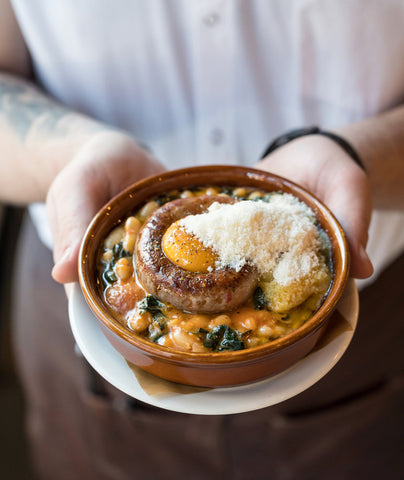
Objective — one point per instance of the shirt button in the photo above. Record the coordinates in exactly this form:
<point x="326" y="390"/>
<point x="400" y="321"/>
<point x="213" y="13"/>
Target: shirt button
<point x="211" y="20"/>
<point x="216" y="136"/>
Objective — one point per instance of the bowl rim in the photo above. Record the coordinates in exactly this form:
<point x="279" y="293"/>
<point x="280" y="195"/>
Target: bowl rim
<point x="252" y="354"/>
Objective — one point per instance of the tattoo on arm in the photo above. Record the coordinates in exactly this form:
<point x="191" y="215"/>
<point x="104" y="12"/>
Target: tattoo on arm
<point x="21" y="106"/>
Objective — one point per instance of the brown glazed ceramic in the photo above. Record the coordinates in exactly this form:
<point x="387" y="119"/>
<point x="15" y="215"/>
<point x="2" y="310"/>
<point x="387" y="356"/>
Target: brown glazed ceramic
<point x="209" y="369"/>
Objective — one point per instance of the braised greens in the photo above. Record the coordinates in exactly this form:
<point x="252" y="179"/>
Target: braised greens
<point x="118" y="252"/>
<point x="221" y="338"/>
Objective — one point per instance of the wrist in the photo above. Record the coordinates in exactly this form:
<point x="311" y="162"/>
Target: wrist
<point x="50" y="154"/>
<point x="108" y="160"/>
<point x="83" y="149"/>
<point x="295" y="134"/>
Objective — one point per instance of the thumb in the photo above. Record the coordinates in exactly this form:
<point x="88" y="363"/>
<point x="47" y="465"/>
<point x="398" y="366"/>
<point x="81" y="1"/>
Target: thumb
<point x="361" y="266"/>
<point x="102" y="169"/>
<point x="69" y="215"/>
<point x="353" y="210"/>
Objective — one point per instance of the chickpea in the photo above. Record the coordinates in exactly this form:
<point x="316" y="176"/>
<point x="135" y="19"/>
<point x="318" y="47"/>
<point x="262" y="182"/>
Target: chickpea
<point x="139" y="323"/>
<point x="147" y="210"/>
<point x="254" y="195"/>
<point x="123" y="269"/>
<point x="240" y="192"/>
<point x="211" y="191"/>
<point x="186" y="194"/>
<point x="132" y="227"/>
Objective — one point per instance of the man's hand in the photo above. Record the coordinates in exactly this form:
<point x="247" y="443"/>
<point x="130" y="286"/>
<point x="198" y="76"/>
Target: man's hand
<point x="320" y="165"/>
<point x="106" y="164"/>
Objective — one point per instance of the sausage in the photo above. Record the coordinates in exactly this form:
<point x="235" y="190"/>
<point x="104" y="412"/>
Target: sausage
<point x="221" y="290"/>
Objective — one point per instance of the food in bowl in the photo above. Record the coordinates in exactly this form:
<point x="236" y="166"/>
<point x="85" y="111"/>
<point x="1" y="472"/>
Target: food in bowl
<point x="211" y="268"/>
<point x="212" y="368"/>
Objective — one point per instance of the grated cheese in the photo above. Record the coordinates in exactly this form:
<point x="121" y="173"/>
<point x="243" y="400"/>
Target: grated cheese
<point x="279" y="237"/>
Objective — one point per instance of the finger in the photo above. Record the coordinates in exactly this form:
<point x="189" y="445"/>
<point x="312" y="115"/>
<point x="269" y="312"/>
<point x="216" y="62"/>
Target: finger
<point x="79" y="191"/>
<point x="70" y="215"/>
<point x="361" y="265"/>
<point x="342" y="187"/>
<point x="349" y="200"/>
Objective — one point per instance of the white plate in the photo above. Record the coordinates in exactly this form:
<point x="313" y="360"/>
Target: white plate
<point x="160" y="393"/>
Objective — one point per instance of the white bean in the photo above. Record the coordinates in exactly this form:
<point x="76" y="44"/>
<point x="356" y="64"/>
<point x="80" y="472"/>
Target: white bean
<point x="147" y="210"/>
<point x="132" y="227"/>
<point x="252" y="342"/>
<point x="107" y="256"/>
<point x="265" y="331"/>
<point x="183" y="340"/>
<point x="246" y="324"/>
<point x="195" y="322"/>
<point x="220" y="320"/>
<point x="114" y="237"/>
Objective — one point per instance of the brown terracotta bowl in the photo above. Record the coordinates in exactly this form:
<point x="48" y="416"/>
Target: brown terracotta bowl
<point x="209" y="369"/>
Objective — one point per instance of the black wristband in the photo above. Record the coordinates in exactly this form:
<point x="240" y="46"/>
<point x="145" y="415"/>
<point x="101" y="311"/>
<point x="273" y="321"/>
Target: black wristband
<point x="301" y="132"/>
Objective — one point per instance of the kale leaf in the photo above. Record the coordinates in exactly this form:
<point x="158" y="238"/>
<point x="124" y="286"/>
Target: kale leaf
<point x="267" y="197"/>
<point x="109" y="276"/>
<point x="259" y="299"/>
<point x="118" y="252"/>
<point x="153" y="305"/>
<point x="162" y="199"/>
<point x="221" y="338"/>
<point x="227" y="191"/>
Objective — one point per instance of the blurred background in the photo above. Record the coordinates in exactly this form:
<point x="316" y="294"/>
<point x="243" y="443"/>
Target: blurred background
<point x="14" y="457"/>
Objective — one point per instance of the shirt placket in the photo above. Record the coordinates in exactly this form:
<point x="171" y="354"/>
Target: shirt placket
<point x="212" y="43"/>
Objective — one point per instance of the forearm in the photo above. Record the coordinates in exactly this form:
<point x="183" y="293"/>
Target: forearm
<point x="380" y="143"/>
<point x="76" y="164"/>
<point x="38" y="137"/>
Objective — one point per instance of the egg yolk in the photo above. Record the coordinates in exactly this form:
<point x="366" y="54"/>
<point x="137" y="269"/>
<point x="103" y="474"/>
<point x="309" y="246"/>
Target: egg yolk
<point x="187" y="251"/>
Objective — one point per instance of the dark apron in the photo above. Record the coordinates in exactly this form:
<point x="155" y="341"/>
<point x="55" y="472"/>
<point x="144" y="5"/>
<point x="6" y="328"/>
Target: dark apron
<point x="348" y="426"/>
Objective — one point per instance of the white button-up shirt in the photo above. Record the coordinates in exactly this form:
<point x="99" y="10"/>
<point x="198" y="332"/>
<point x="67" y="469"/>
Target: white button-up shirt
<point x="213" y="81"/>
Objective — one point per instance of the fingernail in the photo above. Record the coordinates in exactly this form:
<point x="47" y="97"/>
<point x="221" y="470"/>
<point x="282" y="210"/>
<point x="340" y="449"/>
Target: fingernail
<point x="362" y="253"/>
<point x="365" y="260"/>
<point x="65" y="256"/>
